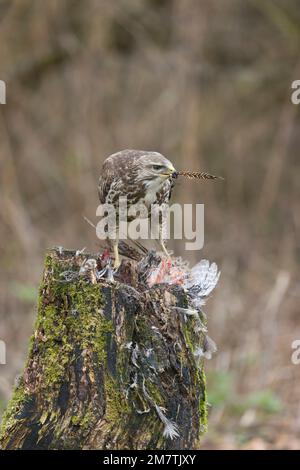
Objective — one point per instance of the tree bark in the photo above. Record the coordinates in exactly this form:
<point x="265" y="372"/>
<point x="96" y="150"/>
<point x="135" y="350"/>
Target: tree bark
<point x="110" y="365"/>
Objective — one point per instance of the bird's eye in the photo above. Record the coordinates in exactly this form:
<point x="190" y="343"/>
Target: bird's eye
<point x="157" y="167"/>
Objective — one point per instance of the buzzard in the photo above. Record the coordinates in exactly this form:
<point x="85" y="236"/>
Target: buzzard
<point x="142" y="177"/>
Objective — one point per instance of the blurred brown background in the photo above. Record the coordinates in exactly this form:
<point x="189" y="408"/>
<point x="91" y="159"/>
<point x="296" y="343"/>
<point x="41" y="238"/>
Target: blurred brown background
<point x="208" y="84"/>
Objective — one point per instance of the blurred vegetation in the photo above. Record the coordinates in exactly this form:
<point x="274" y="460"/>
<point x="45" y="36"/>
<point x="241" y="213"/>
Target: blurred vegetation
<point x="207" y="83"/>
<point x="23" y="292"/>
<point x="222" y="393"/>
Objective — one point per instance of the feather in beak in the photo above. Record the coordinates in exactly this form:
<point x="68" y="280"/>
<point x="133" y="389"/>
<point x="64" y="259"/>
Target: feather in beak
<point x="198" y="175"/>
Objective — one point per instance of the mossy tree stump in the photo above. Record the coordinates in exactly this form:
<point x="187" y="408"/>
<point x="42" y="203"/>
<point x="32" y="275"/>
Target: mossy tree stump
<point x="110" y="366"/>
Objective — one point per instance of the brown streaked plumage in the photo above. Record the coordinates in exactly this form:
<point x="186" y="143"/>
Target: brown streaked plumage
<point x="129" y="173"/>
<point x="142" y="177"/>
<point x="139" y="175"/>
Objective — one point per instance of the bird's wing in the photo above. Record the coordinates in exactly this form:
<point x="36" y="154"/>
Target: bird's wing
<point x="106" y="179"/>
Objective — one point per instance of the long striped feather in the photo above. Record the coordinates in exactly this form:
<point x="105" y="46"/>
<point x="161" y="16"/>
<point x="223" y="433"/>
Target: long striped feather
<point x="199" y="175"/>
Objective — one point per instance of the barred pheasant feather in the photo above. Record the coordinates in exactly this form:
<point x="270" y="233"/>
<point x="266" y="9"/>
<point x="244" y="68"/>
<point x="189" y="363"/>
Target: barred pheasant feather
<point x="199" y="175"/>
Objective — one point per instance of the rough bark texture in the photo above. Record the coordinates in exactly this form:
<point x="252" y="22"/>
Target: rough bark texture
<point x="110" y="366"/>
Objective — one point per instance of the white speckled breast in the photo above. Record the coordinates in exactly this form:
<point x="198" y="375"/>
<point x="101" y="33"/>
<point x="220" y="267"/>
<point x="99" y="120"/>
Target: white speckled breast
<point x="151" y="190"/>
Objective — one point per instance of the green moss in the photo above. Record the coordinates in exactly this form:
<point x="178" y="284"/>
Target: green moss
<point x="203" y="401"/>
<point x="84" y="421"/>
<point x="200" y="379"/>
<point x="75" y="318"/>
<point x="69" y="314"/>
<point x="155" y="393"/>
<point x="13" y="408"/>
<point x="188" y="329"/>
<point x="116" y="403"/>
<point x="75" y="420"/>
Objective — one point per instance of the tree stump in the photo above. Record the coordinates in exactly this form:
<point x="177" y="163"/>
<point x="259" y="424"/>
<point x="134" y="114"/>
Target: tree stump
<point x="111" y="365"/>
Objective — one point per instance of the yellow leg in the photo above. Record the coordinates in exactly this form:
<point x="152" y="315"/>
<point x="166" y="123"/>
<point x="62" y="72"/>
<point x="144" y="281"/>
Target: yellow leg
<point x="162" y="244"/>
<point x="164" y="249"/>
<point x="117" y="257"/>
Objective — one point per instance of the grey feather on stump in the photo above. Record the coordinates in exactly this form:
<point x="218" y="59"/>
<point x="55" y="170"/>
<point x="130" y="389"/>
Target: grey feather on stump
<point x="115" y="362"/>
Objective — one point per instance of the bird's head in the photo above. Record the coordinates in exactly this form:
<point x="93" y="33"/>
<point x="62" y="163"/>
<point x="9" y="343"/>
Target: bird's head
<point x="155" y="166"/>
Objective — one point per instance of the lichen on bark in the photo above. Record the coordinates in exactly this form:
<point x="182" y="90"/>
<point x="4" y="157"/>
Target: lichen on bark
<point x="110" y="366"/>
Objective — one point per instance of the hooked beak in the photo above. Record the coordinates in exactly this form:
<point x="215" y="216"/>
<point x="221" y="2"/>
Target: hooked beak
<point x="171" y="172"/>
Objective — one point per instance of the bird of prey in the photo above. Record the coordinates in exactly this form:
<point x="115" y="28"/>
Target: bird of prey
<point x="142" y="177"/>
